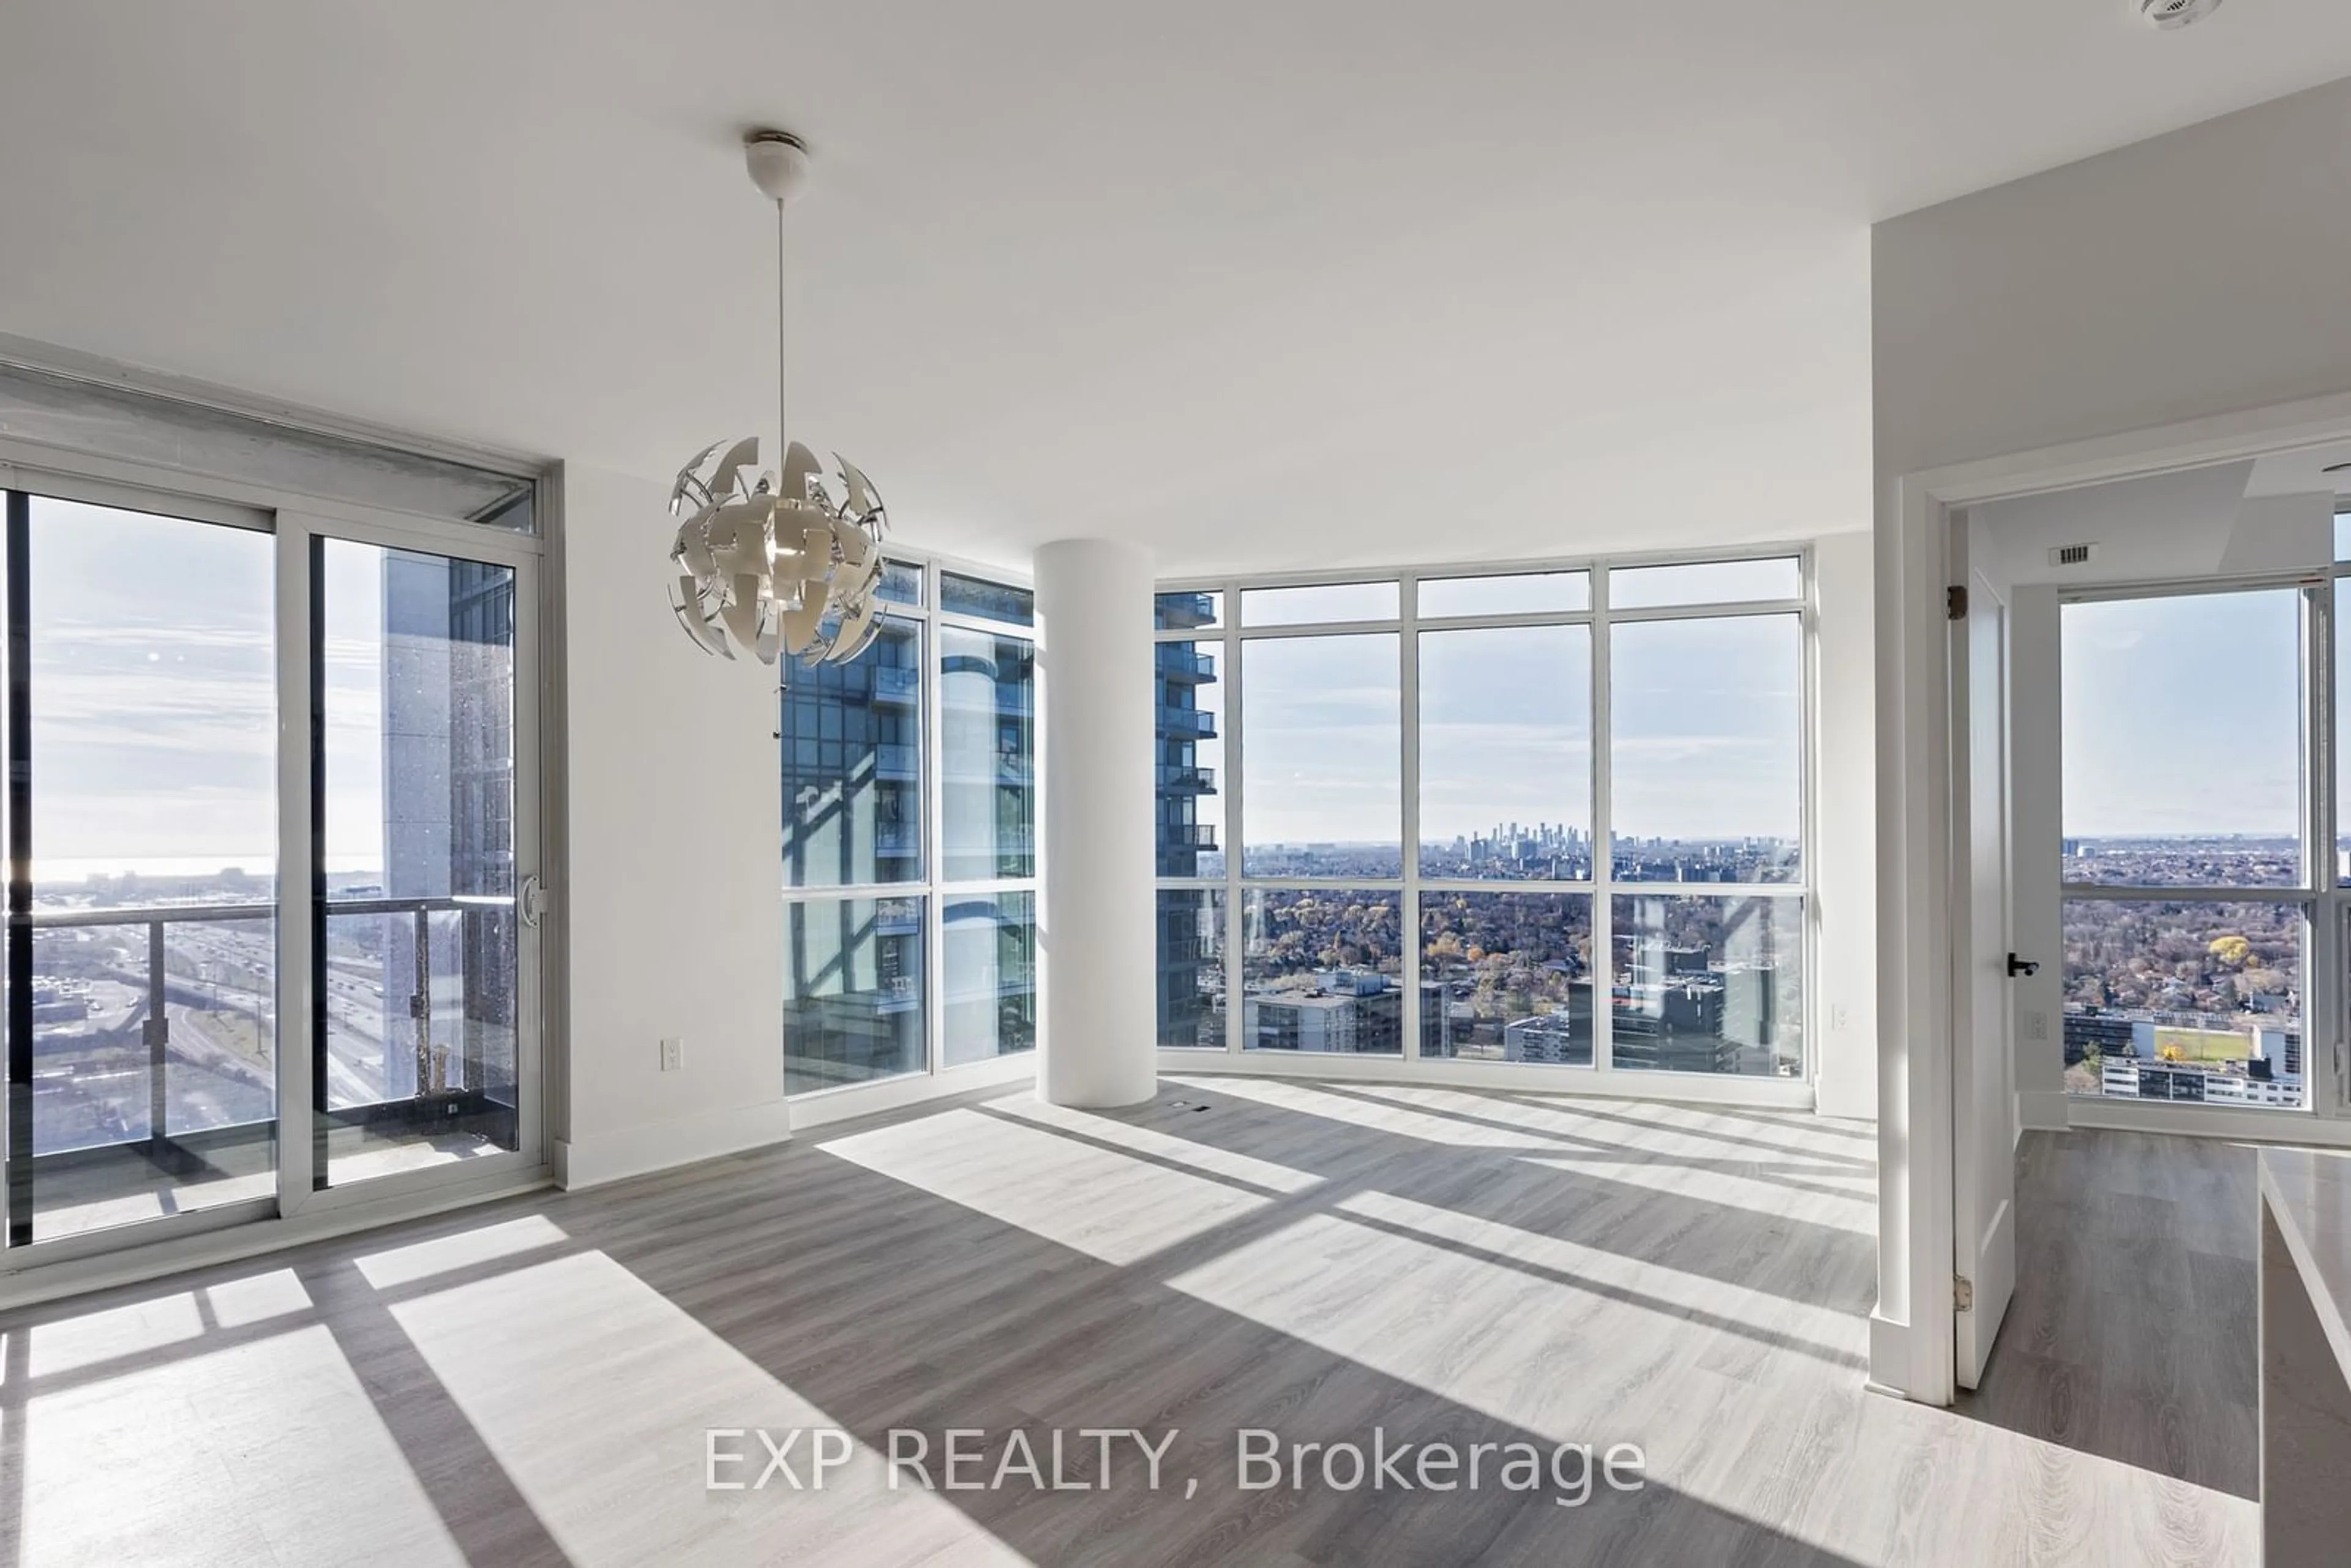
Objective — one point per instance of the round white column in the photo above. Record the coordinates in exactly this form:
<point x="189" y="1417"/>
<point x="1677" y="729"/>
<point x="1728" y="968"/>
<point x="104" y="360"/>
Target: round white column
<point x="1100" y="951"/>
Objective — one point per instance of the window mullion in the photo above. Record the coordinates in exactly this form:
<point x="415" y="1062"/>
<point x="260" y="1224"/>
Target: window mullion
<point x="1603" y="833"/>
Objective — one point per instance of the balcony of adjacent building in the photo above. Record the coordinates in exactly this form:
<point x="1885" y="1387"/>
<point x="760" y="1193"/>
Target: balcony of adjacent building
<point x="1187" y="723"/>
<point x="898" y="917"/>
<point x="1183" y="612"/>
<point x="1186" y="778"/>
<point x="897" y="841"/>
<point x="897" y="685"/>
<point x="1010" y="769"/>
<point x="1181" y="662"/>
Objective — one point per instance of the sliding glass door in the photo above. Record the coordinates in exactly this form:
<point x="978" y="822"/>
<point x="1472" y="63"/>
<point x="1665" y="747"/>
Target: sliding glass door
<point x="270" y="816"/>
<point x="143" y="1020"/>
<point x="416" y="938"/>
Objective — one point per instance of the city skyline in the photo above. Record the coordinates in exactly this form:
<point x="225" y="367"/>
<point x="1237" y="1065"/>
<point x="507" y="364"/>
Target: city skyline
<point x="1706" y="746"/>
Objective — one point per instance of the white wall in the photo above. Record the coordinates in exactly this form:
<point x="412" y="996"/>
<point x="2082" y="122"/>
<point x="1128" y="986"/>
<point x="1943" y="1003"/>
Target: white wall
<point x="1844" y="843"/>
<point x="2194" y="273"/>
<point x="673" y="913"/>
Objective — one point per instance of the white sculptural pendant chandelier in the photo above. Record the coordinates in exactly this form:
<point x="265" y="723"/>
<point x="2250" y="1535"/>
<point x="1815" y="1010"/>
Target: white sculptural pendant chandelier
<point x="789" y="566"/>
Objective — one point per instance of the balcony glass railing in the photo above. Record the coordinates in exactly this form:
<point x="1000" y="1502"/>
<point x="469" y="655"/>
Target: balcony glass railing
<point x="159" y="1024"/>
<point x="1187" y="721"/>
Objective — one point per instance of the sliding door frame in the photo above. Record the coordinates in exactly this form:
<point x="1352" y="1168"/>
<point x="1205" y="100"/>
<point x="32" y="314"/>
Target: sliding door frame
<point x="68" y="1262"/>
<point x="302" y="724"/>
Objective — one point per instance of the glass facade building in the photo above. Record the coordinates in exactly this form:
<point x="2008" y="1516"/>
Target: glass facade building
<point x="910" y="839"/>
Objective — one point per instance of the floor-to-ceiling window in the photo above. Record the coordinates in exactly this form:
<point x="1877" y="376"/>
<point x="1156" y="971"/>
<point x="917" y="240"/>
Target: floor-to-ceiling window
<point x="270" y="730"/>
<point x="2191" y="873"/>
<point x="910" y="839"/>
<point x="1551" y="816"/>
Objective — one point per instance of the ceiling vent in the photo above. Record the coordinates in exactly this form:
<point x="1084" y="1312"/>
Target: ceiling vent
<point x="2167" y="15"/>
<point x="2072" y="555"/>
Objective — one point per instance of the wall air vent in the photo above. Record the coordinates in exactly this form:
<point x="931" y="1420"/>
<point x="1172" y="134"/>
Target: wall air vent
<point x="2072" y="555"/>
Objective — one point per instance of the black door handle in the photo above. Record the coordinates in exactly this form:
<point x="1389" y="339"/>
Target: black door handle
<point x="2017" y="965"/>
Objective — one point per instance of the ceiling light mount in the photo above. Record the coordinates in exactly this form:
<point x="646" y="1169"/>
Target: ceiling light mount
<point x="2168" y="15"/>
<point x="778" y="161"/>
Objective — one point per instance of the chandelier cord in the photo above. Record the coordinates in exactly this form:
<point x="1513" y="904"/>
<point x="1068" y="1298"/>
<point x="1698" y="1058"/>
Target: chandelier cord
<point x="782" y="423"/>
<point x="781" y="319"/>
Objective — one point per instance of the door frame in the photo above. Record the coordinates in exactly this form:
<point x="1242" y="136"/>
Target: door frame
<point x="1913" y="1330"/>
<point x="295" y="1212"/>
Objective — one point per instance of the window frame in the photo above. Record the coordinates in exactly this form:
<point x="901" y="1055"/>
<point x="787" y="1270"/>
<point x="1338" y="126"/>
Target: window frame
<point x="2322" y="895"/>
<point x="934" y="887"/>
<point x="1601" y="887"/>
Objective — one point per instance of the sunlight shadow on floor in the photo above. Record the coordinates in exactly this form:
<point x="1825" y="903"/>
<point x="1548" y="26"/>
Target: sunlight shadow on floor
<point x="1855" y="1212"/>
<point x="68" y="1344"/>
<point x="251" y="1453"/>
<point x="1206" y="1158"/>
<point x="1107" y="1206"/>
<point x="616" y="1469"/>
<point x="465" y="1248"/>
<point x="1403" y="1120"/>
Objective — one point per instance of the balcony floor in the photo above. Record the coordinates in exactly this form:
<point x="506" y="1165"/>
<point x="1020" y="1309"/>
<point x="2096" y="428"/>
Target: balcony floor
<point x="532" y="1382"/>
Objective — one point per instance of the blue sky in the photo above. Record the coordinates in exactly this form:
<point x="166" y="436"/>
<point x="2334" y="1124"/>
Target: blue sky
<point x="1708" y="718"/>
<point x="155" y="695"/>
<point x="2182" y="714"/>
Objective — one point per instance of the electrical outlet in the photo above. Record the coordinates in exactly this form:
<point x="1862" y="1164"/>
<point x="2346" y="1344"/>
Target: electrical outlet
<point x="2036" y="1025"/>
<point x="672" y="1056"/>
<point x="1837" y="1019"/>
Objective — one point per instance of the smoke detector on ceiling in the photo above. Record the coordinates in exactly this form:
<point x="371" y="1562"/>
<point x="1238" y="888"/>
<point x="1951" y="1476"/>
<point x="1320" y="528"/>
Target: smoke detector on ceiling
<point x="2072" y="555"/>
<point x="2167" y="15"/>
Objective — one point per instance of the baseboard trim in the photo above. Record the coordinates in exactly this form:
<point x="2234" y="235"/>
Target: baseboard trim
<point x="657" y="1145"/>
<point x="2239" y="1125"/>
<point x="2043" y="1109"/>
<point x="1339" y="1067"/>
<point x="828" y="1106"/>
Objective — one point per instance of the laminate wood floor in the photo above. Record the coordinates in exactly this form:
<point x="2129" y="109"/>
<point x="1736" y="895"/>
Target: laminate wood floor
<point x="532" y="1382"/>
<point x="2134" y="1332"/>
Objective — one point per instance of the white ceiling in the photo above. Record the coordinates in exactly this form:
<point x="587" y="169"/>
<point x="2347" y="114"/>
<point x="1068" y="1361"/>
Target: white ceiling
<point x="1265" y="284"/>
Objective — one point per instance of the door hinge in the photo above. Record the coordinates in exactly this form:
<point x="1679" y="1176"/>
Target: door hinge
<point x="1955" y="602"/>
<point x="1963" y="1293"/>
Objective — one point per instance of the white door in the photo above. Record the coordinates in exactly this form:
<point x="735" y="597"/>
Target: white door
<point x="1983" y="1133"/>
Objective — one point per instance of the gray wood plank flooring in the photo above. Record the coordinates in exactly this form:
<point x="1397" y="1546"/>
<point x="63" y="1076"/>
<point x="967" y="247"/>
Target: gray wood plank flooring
<point x="530" y="1382"/>
<point x="2133" y="1332"/>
